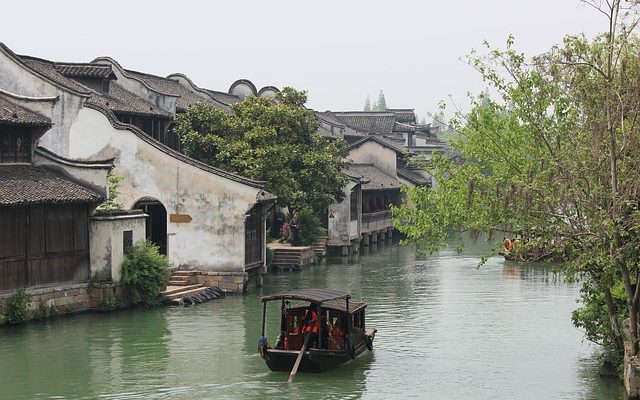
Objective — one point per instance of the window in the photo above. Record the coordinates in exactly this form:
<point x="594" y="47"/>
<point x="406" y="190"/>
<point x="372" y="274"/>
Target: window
<point x="354" y="204"/>
<point x="15" y="145"/>
<point x="127" y="241"/>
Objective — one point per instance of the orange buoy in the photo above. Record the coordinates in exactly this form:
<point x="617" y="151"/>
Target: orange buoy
<point x="507" y="246"/>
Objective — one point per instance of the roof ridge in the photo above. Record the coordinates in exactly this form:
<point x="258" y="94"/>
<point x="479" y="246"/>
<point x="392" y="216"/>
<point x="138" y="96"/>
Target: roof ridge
<point x="19" y="59"/>
<point x="126" y="74"/>
<point x="376" y="139"/>
<point x="108" y="163"/>
<point x="195" y="87"/>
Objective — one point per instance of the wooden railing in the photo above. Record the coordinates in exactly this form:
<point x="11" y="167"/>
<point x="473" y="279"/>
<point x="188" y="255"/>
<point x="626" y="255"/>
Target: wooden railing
<point x="376" y="221"/>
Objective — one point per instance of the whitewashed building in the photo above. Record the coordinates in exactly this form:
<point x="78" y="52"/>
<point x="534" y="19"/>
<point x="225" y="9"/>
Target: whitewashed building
<point x="201" y="217"/>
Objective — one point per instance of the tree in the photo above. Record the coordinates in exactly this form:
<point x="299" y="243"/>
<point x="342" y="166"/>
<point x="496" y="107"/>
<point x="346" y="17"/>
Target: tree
<point x="269" y="140"/>
<point x="554" y="159"/>
<point x="367" y="104"/>
<point x="440" y="122"/>
<point x="381" y="105"/>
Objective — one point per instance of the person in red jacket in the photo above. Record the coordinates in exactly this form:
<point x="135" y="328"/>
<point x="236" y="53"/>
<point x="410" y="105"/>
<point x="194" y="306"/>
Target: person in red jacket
<point x="311" y="325"/>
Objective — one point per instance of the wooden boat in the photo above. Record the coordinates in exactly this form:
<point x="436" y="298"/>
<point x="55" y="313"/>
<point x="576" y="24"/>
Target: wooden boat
<point x="515" y="250"/>
<point x="343" y="334"/>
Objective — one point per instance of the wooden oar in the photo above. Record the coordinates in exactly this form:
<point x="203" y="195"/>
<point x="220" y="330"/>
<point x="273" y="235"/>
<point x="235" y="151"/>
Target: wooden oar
<point x="294" y="371"/>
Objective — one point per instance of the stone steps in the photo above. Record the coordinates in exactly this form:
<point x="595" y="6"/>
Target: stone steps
<point x="299" y="256"/>
<point x="172" y="290"/>
<point x="183" y="273"/>
<point x="320" y="246"/>
<point x="178" y="280"/>
<point x="183" y="293"/>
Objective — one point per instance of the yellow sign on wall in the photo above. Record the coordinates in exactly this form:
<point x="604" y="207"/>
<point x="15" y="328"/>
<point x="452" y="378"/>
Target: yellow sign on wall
<point x="180" y="218"/>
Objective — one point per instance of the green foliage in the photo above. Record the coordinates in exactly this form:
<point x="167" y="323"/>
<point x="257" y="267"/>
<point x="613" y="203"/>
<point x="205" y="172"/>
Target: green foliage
<point x="272" y="141"/>
<point x="2" y="305"/>
<point x="18" y="308"/>
<point x="310" y="227"/>
<point x="367" y="104"/>
<point x="107" y="304"/>
<point x="145" y="273"/>
<point x="111" y="204"/>
<point x="593" y="317"/>
<point x="94" y="280"/>
<point x="381" y="105"/>
<point x="552" y="159"/>
<point x="44" y="312"/>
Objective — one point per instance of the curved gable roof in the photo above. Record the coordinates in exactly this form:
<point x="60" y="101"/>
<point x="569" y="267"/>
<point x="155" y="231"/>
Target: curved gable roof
<point x="175" y="154"/>
<point x="12" y="114"/>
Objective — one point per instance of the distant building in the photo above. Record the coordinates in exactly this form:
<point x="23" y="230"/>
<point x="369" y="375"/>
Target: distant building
<point x="381" y="146"/>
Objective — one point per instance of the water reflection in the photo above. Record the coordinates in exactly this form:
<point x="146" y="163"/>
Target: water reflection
<point x="446" y="330"/>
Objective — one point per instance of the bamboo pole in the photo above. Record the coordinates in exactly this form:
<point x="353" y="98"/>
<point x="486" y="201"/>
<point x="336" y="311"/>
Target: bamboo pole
<point x="294" y="371"/>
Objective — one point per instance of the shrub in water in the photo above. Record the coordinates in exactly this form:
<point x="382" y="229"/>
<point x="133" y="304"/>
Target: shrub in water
<point x="144" y="273"/>
<point x="107" y="304"/>
<point x="18" y="307"/>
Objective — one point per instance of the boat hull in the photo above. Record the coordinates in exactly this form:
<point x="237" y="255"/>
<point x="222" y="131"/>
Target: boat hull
<point x="314" y="360"/>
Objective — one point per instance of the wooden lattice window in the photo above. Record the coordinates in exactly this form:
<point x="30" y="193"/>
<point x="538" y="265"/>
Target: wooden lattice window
<point x="15" y="144"/>
<point x="127" y="241"/>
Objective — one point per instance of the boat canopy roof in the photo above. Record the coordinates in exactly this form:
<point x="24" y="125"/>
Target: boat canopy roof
<point x="312" y="295"/>
<point x="337" y="304"/>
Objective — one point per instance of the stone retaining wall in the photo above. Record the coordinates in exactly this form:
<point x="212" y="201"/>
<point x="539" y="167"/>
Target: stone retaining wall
<point x="230" y="282"/>
<point x="631" y="377"/>
<point x="68" y="299"/>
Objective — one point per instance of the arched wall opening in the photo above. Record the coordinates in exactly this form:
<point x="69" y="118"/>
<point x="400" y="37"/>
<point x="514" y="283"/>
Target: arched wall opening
<point x="156" y="224"/>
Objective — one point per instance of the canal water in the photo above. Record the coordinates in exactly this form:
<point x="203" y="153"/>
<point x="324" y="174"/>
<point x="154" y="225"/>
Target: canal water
<point x="446" y="330"/>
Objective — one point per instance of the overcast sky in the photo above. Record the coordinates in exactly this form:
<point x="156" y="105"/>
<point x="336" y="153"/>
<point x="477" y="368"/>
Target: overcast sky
<point x="339" y="51"/>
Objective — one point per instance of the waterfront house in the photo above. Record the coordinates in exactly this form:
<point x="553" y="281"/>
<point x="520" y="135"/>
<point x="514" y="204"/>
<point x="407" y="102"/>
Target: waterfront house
<point x="378" y="165"/>
<point x="46" y="202"/>
<point x="203" y="218"/>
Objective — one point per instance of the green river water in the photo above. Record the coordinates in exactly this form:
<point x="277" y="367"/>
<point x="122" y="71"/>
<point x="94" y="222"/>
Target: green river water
<point x="446" y="330"/>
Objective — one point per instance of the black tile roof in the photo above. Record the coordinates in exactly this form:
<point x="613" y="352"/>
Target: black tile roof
<point x="12" y="114"/>
<point x="172" y="87"/>
<point x="120" y="100"/>
<point x="223" y="97"/>
<point x="404" y="115"/>
<point x="26" y="184"/>
<point x="368" y="121"/>
<point x="48" y="69"/>
<point x="415" y="176"/>
<point x="377" y="180"/>
<point x="397" y="147"/>
<point x="264" y="196"/>
<point x="85" y="70"/>
<point x="351" y="173"/>
<point x="403" y="127"/>
<point x="331" y="119"/>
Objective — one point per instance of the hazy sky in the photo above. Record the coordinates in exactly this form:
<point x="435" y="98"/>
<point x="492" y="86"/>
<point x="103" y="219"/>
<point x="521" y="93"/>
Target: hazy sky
<point x="339" y="51"/>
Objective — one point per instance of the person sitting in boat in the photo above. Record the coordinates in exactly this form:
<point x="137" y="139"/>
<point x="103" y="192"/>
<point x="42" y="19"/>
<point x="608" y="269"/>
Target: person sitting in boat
<point x="337" y="330"/>
<point x="311" y="325"/>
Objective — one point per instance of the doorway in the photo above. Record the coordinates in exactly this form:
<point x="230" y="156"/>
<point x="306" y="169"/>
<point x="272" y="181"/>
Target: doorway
<point x="156" y="224"/>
